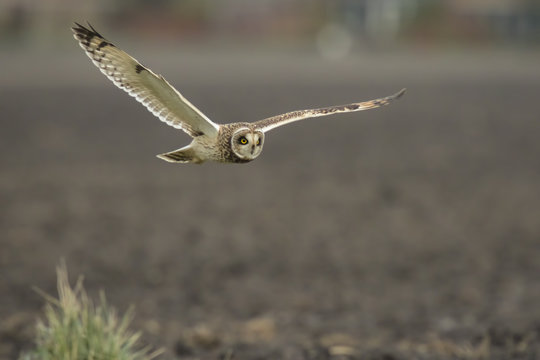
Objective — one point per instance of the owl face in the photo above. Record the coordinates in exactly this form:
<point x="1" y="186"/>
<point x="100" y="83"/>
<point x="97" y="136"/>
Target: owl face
<point x="246" y="143"/>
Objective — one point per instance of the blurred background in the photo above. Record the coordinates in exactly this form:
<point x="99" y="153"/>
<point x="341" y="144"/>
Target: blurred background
<point x="404" y="232"/>
<point x="360" y="21"/>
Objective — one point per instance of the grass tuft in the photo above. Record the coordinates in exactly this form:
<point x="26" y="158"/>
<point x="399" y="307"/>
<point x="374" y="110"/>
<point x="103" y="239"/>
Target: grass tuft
<point x="74" y="328"/>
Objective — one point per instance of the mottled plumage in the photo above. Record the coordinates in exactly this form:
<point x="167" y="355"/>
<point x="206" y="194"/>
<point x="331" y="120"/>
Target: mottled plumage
<point x="231" y="143"/>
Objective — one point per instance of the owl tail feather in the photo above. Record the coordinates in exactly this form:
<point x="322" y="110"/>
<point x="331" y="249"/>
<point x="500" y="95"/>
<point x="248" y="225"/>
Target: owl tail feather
<point x="183" y="155"/>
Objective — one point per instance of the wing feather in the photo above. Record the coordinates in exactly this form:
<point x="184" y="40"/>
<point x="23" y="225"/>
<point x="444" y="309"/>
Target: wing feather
<point x="150" y="89"/>
<point x="283" y="119"/>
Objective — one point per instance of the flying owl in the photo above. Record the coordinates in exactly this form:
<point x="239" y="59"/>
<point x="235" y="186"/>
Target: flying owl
<point x="239" y="142"/>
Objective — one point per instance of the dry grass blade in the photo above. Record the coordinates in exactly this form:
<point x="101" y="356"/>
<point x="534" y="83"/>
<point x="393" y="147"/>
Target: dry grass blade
<point x="75" y="328"/>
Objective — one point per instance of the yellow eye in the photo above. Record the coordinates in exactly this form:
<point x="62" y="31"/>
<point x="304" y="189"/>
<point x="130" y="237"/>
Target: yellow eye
<point x="258" y="142"/>
<point x="243" y="140"/>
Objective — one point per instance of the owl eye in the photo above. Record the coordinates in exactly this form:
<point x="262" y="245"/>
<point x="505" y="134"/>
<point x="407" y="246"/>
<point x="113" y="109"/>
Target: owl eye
<point x="243" y="140"/>
<point x="258" y="142"/>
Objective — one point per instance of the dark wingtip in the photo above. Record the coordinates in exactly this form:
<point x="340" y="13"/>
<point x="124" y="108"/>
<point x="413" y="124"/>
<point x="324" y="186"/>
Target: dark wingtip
<point x="77" y="27"/>
<point x="91" y="27"/>
<point x="400" y="93"/>
<point x="81" y="29"/>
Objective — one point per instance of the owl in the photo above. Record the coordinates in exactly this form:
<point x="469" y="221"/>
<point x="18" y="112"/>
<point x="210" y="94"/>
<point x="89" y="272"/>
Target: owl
<point x="239" y="142"/>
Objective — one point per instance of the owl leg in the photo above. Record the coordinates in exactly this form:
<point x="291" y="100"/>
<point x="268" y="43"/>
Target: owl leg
<point x="183" y="155"/>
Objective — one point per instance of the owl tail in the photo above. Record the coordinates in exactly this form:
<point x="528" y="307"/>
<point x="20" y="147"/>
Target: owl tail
<point x="183" y="155"/>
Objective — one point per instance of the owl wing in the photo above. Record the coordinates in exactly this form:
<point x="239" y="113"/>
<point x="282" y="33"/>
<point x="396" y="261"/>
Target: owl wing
<point x="283" y="119"/>
<point x="150" y="89"/>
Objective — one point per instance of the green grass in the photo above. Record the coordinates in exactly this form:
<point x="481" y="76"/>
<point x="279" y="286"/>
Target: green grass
<point x="74" y="328"/>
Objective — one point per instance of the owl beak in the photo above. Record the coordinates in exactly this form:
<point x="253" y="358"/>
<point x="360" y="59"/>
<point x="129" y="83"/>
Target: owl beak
<point x="252" y="149"/>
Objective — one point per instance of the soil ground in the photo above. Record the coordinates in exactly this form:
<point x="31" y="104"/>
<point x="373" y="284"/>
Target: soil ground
<point x="409" y="232"/>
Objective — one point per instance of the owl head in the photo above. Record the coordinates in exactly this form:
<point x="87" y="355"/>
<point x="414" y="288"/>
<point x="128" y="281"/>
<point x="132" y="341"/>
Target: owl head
<point x="247" y="143"/>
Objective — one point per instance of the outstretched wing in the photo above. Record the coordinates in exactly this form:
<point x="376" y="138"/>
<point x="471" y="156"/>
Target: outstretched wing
<point x="279" y="120"/>
<point x="150" y="89"/>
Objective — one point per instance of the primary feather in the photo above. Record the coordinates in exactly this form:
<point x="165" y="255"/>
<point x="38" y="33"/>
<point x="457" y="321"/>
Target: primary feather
<point x="283" y="119"/>
<point x="150" y="89"/>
